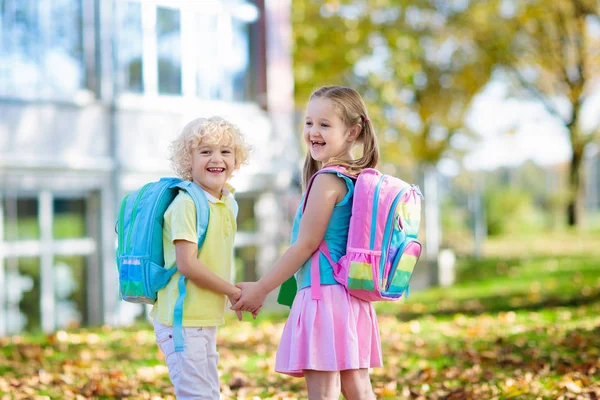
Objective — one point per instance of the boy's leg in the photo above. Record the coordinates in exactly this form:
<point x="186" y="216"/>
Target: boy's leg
<point x="193" y="374"/>
<point x="213" y="360"/>
<point x="322" y="385"/>
<point x="356" y="384"/>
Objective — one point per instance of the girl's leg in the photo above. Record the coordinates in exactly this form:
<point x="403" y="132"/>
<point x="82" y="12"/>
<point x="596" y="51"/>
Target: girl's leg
<point x="356" y="384"/>
<point x="322" y="385"/>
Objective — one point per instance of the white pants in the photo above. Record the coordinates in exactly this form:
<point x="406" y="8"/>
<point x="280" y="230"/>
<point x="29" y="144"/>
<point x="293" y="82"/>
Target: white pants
<point x="193" y="371"/>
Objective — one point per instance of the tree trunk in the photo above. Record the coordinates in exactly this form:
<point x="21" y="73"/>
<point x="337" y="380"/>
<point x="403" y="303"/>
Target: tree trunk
<point x="573" y="211"/>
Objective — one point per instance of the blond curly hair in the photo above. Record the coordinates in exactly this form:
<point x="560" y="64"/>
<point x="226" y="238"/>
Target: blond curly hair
<point x="206" y="131"/>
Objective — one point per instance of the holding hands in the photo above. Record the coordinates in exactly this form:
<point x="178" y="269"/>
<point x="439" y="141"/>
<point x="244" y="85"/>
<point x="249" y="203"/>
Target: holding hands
<point x="251" y="299"/>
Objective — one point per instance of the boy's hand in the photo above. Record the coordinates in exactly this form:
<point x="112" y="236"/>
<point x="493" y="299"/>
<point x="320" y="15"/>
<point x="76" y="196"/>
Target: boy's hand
<point x="233" y="299"/>
<point x="252" y="298"/>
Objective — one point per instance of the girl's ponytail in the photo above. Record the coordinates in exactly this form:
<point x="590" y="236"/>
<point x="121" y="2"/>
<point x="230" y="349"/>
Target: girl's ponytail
<point x="370" y="156"/>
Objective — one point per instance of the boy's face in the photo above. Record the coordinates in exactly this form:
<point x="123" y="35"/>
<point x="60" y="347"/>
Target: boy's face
<point x="212" y="166"/>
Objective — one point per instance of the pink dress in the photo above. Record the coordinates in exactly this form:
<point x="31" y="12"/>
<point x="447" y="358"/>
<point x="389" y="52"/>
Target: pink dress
<point x="338" y="332"/>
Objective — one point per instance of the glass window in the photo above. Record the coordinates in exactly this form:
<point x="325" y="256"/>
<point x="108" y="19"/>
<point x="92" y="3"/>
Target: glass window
<point x="246" y="221"/>
<point x="130" y="46"/>
<point x="245" y="264"/>
<point x="221" y="37"/>
<point x="69" y="218"/>
<point x="21" y="219"/>
<point x="69" y="291"/>
<point x="23" y="294"/>
<point x="209" y="70"/>
<point x="168" y="42"/>
<point x="42" y="48"/>
<point x="223" y="57"/>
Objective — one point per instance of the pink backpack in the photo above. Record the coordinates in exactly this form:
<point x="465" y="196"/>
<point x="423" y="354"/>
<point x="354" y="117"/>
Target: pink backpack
<point x="382" y="248"/>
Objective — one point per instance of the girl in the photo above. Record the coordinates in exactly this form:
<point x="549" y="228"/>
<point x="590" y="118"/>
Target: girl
<point x="333" y="341"/>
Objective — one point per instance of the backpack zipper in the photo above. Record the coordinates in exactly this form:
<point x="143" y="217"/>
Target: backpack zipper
<point x="397" y="261"/>
<point x="133" y="215"/>
<point x="162" y="190"/>
<point x="387" y="237"/>
<point x="374" y="215"/>
<point x="121" y="223"/>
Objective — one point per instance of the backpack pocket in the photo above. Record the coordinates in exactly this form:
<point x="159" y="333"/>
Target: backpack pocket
<point x="132" y="280"/>
<point x="358" y="272"/>
<point x="402" y="268"/>
<point x="140" y="279"/>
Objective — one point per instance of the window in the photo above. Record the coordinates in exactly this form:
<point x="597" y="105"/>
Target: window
<point x="168" y="40"/>
<point x="22" y="288"/>
<point x="246" y="216"/>
<point x="70" y="278"/>
<point x="21" y="218"/>
<point x="129" y="46"/>
<point x="69" y="218"/>
<point x="41" y="46"/>
<point x="245" y="264"/>
<point x="223" y="57"/>
<point x="49" y="269"/>
<point x="185" y="48"/>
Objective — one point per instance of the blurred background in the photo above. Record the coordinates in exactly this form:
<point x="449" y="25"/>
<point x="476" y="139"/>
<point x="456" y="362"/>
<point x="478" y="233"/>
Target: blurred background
<point x="492" y="107"/>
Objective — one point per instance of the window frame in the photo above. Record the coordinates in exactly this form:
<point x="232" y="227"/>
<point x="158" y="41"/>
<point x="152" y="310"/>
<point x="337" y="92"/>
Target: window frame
<point x="188" y="39"/>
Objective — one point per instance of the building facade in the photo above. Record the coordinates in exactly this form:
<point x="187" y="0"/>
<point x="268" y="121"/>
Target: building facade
<point x="91" y="94"/>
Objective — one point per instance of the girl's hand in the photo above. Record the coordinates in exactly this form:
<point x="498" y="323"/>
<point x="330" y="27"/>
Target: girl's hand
<point x="253" y="296"/>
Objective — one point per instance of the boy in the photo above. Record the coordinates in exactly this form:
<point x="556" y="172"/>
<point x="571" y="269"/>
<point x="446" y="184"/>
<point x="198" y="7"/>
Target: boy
<point x="207" y="152"/>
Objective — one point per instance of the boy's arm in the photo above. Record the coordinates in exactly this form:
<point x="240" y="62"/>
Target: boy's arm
<point x="186" y="255"/>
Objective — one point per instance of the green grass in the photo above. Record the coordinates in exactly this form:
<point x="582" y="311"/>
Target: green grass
<point x="494" y="285"/>
<point x="514" y="327"/>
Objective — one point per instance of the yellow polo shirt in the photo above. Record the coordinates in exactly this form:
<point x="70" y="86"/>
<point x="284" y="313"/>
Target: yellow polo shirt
<point x="202" y="307"/>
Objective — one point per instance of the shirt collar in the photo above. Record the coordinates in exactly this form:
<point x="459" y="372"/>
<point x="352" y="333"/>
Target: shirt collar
<point x="228" y="190"/>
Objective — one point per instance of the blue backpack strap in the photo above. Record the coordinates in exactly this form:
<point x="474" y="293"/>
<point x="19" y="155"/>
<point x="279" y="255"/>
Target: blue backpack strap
<point x="202" y="209"/>
<point x="202" y="218"/>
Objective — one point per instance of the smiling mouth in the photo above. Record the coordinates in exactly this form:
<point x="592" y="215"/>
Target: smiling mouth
<point x="317" y="144"/>
<point x="215" y="170"/>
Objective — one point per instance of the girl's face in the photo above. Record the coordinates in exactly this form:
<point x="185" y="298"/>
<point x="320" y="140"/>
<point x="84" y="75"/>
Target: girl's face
<point x="325" y="134"/>
<point x="212" y="166"/>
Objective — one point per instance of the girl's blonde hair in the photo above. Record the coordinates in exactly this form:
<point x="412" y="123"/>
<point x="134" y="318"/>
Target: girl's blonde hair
<point x="206" y="131"/>
<point x="352" y="110"/>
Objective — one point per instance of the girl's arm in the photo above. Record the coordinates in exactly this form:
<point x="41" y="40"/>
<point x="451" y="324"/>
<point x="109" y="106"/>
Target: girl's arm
<point x="327" y="190"/>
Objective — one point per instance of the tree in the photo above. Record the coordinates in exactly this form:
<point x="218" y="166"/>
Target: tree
<point x="412" y="68"/>
<point x="547" y="51"/>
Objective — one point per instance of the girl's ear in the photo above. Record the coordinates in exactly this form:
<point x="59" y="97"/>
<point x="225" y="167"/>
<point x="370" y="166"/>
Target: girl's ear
<point x="354" y="132"/>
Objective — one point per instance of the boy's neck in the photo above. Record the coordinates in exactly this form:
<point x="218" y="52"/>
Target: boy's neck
<point x="216" y="195"/>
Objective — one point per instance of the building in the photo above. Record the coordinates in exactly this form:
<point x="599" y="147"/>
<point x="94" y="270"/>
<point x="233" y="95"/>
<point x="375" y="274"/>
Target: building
<point x="91" y="94"/>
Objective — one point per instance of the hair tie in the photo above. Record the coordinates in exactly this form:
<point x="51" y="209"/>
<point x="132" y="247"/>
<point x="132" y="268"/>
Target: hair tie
<point x="366" y="119"/>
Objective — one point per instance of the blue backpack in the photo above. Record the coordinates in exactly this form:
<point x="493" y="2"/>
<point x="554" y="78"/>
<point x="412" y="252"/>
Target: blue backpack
<point x="140" y="256"/>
